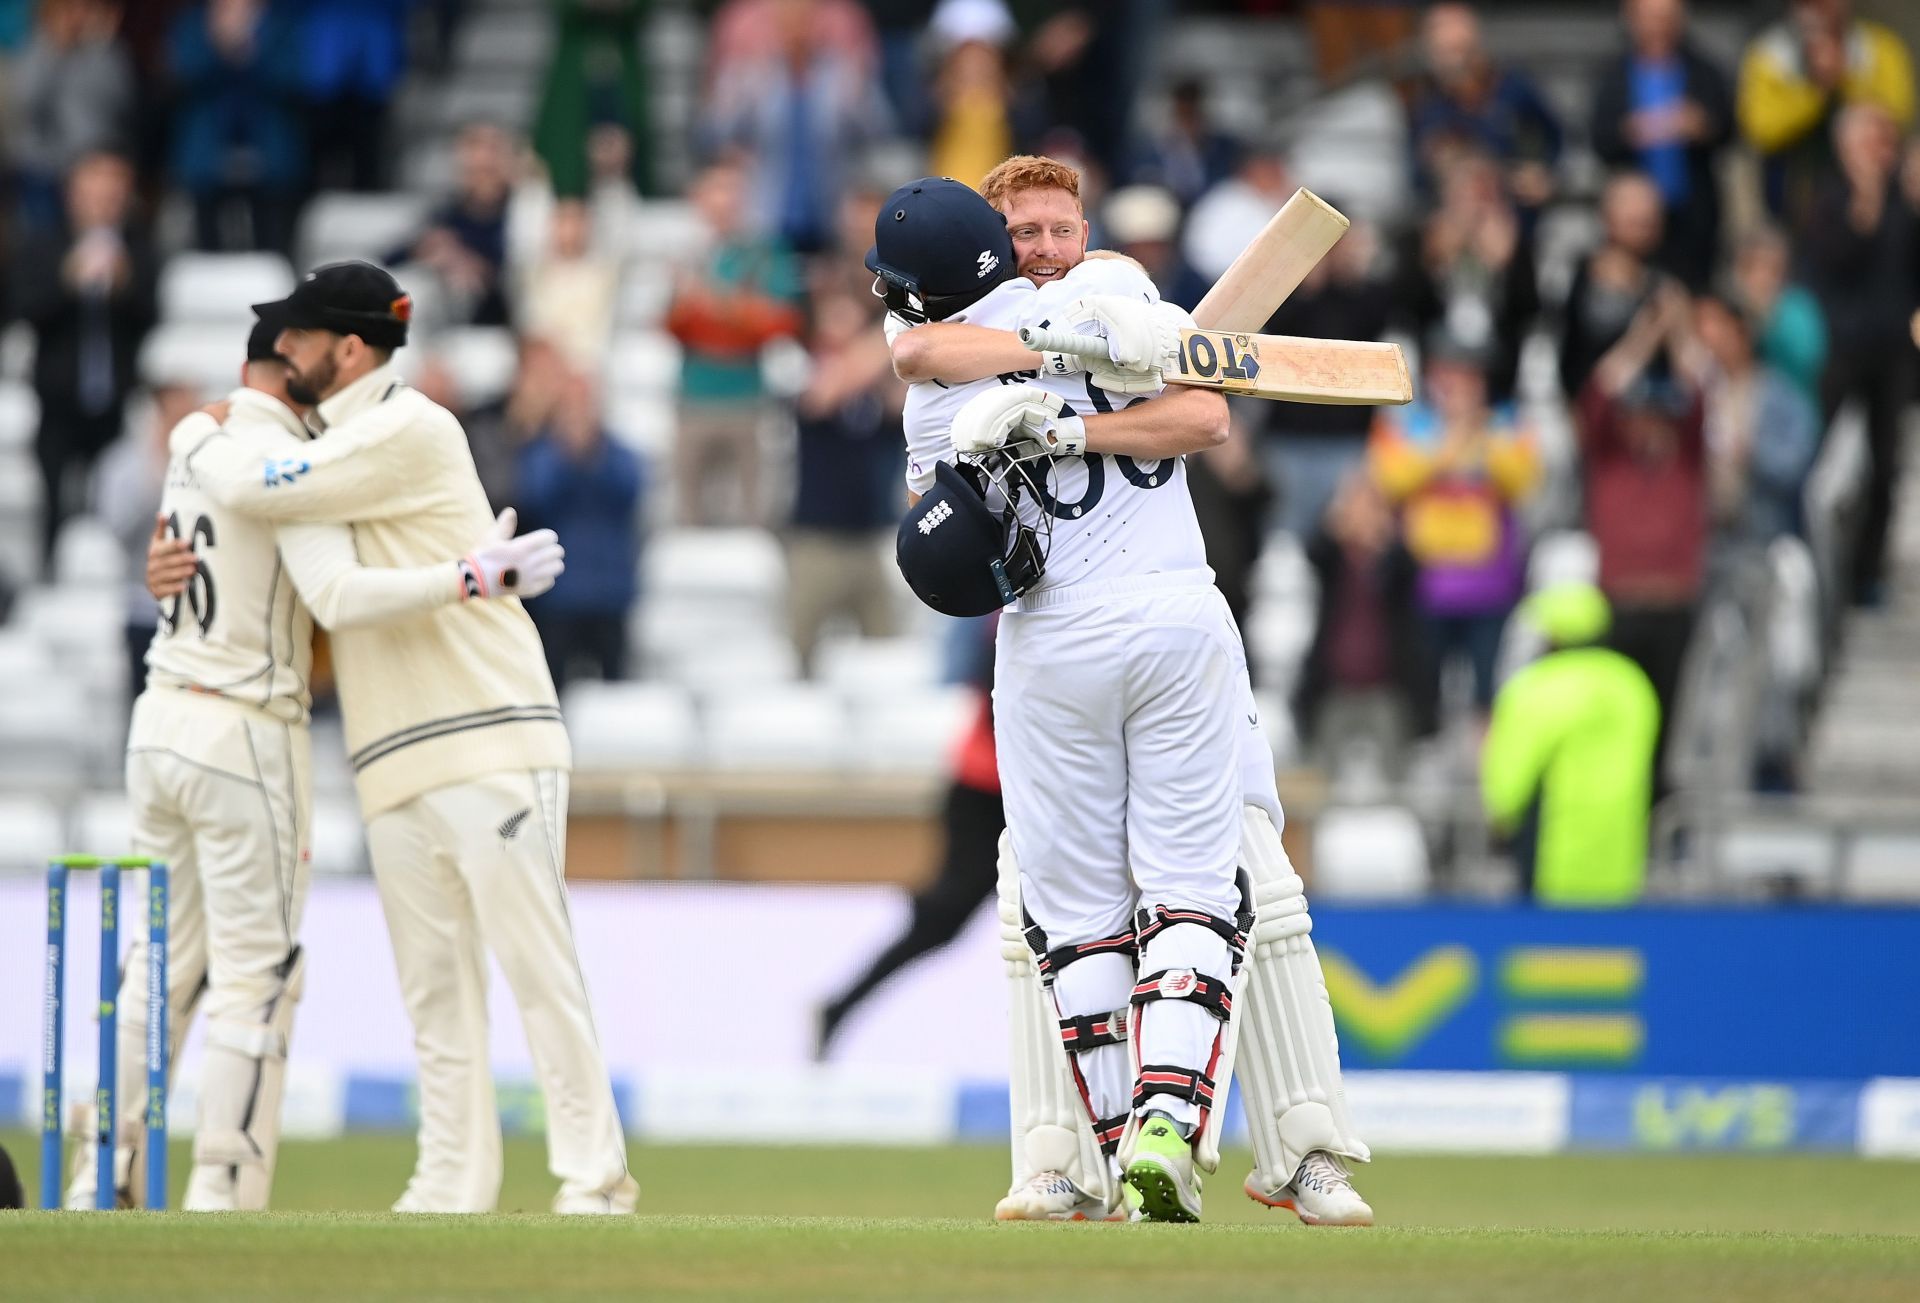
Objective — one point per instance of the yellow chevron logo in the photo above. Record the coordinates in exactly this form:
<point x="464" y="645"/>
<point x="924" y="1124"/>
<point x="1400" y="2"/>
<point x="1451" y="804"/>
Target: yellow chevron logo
<point x="1390" y="1018"/>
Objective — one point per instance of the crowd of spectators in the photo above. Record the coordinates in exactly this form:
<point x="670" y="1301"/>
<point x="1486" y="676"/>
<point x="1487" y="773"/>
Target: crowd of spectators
<point x="1701" y="359"/>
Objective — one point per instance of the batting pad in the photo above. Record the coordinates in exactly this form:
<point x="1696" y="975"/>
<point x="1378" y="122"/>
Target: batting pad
<point x="1289" y="1060"/>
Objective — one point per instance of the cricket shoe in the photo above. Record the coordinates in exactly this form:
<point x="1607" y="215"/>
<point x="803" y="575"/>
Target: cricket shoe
<point x="617" y="1202"/>
<point x="1320" y="1194"/>
<point x="1161" y="1173"/>
<point x="1053" y="1197"/>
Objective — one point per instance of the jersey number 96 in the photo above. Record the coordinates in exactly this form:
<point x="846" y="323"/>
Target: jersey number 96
<point x="199" y="596"/>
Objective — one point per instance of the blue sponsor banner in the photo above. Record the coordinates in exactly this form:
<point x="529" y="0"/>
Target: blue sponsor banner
<point x="1664" y="1114"/>
<point x="1805" y="993"/>
<point x="13" y="1099"/>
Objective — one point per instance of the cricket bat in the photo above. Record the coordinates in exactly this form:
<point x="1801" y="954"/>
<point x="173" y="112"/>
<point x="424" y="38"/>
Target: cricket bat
<point x="1273" y="265"/>
<point x="1288" y="368"/>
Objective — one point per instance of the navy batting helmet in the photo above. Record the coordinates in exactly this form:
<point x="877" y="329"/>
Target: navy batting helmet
<point x="937" y="248"/>
<point x="963" y="548"/>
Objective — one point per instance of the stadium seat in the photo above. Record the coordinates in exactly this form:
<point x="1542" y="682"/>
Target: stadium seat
<point x="864" y="668"/>
<point x="645" y="423"/>
<point x="31" y="832"/>
<point x="1778" y="855"/>
<point x="667" y="230"/>
<point x="483" y="360"/>
<point x="742" y="658"/>
<point x="339" y="840"/>
<point x="102" y="824"/>
<point x="642" y="303"/>
<point x="19" y="415"/>
<point x="341" y="224"/>
<point x="1369" y="853"/>
<point x="222" y="287"/>
<point x="1277" y="722"/>
<point x="912" y="731"/>
<point x="643" y="363"/>
<point x="87" y="555"/>
<point x="1883" y="866"/>
<point x="618" y="726"/>
<point x="801" y="726"/>
<point x="48" y="737"/>
<point x="734" y="567"/>
<point x="204" y="355"/>
<point x="1565" y="556"/>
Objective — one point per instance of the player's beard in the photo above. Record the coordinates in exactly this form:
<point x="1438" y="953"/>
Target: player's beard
<point x="300" y="391"/>
<point x="308" y="387"/>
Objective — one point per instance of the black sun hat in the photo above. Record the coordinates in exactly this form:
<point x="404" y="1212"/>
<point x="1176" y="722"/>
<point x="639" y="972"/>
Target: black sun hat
<point x="348" y="298"/>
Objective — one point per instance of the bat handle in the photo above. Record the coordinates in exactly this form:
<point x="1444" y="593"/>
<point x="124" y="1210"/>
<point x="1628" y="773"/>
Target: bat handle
<point x="1063" y="341"/>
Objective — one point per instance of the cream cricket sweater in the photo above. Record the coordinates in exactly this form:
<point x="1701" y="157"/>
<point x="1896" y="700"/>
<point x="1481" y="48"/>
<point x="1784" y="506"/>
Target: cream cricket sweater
<point x="460" y="692"/>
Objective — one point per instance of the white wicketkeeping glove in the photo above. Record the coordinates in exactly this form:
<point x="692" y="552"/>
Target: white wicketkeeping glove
<point x="502" y="565"/>
<point x="1014" y="414"/>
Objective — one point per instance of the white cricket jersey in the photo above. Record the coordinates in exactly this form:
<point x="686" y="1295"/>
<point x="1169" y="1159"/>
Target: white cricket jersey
<point x="1112" y="517"/>
<point x="460" y="692"/>
<point x="240" y="630"/>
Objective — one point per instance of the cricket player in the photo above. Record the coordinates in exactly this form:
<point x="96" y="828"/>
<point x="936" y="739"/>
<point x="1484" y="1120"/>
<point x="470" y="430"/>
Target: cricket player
<point x="456" y="740"/>
<point x="1143" y="869"/>
<point x="217" y="778"/>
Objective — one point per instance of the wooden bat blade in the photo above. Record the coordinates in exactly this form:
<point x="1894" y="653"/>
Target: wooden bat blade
<point x="1273" y="265"/>
<point x="1293" y="369"/>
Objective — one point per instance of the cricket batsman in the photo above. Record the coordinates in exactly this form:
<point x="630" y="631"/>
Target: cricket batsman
<point x="1150" y="916"/>
<point x="217" y="778"/>
<point x="456" y="742"/>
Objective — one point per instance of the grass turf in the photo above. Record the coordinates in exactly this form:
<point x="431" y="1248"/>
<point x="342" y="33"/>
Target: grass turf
<point x="725" y="1223"/>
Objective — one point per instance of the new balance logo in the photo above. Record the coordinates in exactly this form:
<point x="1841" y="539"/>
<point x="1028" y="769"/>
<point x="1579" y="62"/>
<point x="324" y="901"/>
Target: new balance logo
<point x="510" y="826"/>
<point x="988" y="261"/>
<point x="932" y="520"/>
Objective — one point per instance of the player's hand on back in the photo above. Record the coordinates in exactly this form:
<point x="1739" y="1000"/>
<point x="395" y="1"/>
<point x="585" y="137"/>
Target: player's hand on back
<point x="1015" y="414"/>
<point x="503" y="565"/>
<point x="170" y="562"/>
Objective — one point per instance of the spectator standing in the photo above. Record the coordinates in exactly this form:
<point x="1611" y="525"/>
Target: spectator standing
<point x="973" y="116"/>
<point x="354" y="53"/>
<point x="574" y="477"/>
<point x="237" y="126"/>
<point x="1308" y="448"/>
<point x="1797" y="75"/>
<point x="465" y="240"/>
<point x="794" y="87"/>
<point x="497" y="431"/>
<point x="596" y="80"/>
<point x="1234" y="210"/>
<point x="1861" y="252"/>
<point x="127" y="485"/>
<point x="70" y="93"/>
<point x="1762" y="431"/>
<point x="1192" y="155"/>
<point x="1567" y="760"/>
<point x="1616" y="281"/>
<point x="847" y="499"/>
<point x="1366" y="674"/>
<point x="1665" y="109"/>
<point x="742" y="293"/>
<point x="1143" y="222"/>
<point x="1643" y="460"/>
<point x="1470" y="272"/>
<point x="567" y="295"/>
<point x="1467" y="102"/>
<point x="88" y="294"/>
<point x="1457" y="471"/>
<point x="1792" y="328"/>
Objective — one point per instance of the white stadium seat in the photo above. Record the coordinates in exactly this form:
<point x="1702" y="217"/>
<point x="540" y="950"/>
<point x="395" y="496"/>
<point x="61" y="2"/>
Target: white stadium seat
<point x="205" y="356"/>
<point x="31" y="832"/>
<point x="631" y="725"/>
<point x="913" y="732"/>
<point x="1369" y="853"/>
<point x="797" y="727"/>
<point x="643" y="363"/>
<point x="667" y="230"/>
<point x="483" y="360"/>
<point x="645" y="423"/>
<point x="860" y="668"/>
<point x="1883" y="866"/>
<point x="736" y="568"/>
<point x="339" y="841"/>
<point x="48" y="736"/>
<point x="339" y="224"/>
<point x="222" y="287"/>
<point x="88" y="555"/>
<point x="102" y="825"/>
<point x="19" y="414"/>
<point x="743" y="658"/>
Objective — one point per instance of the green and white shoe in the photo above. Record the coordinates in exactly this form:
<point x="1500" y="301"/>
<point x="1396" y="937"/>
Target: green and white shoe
<point x="1161" y="1173"/>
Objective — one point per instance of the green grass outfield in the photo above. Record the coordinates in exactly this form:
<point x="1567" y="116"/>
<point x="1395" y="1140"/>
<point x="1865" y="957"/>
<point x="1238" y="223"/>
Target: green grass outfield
<point x="734" y="1223"/>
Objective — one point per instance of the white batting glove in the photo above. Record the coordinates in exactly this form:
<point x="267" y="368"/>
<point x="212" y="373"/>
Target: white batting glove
<point x="1014" y="414"/>
<point x="1139" y="338"/>
<point x="502" y="565"/>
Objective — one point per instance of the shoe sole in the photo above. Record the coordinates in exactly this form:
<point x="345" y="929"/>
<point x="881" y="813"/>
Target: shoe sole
<point x="999" y="1216"/>
<point x="1159" y="1192"/>
<point x="1306" y="1218"/>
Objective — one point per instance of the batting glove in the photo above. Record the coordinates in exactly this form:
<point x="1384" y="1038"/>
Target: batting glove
<point x="502" y="565"/>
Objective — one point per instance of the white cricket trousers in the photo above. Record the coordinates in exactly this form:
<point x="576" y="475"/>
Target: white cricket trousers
<point x="464" y="869"/>
<point x="1121" y="711"/>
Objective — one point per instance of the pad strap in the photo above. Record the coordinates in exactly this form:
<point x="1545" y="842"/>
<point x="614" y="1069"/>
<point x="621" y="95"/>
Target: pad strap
<point x="1185" y="984"/>
<point x="1049" y="961"/>
<point x="1151" y="922"/>
<point x="1109" y="1130"/>
<point x="1092" y="1030"/>
<point x="1180" y="1083"/>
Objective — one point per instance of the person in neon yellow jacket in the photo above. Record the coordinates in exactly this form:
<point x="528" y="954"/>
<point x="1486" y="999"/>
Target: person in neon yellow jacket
<point x="1567" y="768"/>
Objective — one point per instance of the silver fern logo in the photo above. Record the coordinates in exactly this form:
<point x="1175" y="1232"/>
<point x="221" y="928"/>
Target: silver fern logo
<point x="510" y="826"/>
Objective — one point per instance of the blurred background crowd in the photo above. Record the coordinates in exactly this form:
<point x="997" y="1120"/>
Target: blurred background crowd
<point x="1655" y="266"/>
